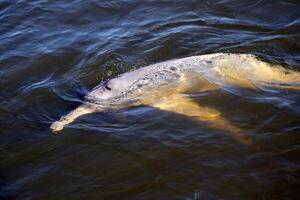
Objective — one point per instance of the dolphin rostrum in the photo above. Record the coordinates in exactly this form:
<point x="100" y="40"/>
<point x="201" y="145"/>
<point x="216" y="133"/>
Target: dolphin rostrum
<point x="166" y="85"/>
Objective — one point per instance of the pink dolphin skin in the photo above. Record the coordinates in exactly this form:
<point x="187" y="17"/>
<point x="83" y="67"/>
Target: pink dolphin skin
<point x="161" y="84"/>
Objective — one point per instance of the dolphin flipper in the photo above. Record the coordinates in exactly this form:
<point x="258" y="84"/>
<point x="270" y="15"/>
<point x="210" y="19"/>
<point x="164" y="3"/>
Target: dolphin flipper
<point x="186" y="106"/>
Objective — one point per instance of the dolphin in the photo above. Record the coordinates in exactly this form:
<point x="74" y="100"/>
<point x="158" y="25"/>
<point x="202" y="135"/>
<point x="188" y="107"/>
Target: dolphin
<point x="167" y="85"/>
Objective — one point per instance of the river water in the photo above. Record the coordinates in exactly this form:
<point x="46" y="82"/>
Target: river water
<point x="53" y="52"/>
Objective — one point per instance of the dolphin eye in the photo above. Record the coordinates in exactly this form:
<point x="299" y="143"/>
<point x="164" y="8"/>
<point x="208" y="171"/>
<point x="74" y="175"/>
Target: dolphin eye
<point x="106" y="87"/>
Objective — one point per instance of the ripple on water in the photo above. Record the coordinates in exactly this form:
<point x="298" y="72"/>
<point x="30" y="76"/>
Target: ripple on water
<point x="52" y="53"/>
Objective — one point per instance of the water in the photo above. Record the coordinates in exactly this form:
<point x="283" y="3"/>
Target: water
<point x="53" y="52"/>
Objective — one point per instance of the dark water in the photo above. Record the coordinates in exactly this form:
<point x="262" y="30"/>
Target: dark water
<point x="53" y="52"/>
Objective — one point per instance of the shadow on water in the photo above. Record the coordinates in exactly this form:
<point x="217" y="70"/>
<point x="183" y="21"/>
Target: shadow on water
<point x="53" y="53"/>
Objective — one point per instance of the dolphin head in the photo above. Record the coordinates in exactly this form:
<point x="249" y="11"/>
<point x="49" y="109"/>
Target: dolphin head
<point x="116" y="89"/>
<point x="110" y="89"/>
<point x="132" y="87"/>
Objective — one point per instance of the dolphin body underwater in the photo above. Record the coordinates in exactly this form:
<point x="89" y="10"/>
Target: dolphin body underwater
<point x="168" y="85"/>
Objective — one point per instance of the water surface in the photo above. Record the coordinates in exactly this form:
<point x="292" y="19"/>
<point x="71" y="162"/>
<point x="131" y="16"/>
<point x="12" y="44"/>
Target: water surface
<point x="53" y="52"/>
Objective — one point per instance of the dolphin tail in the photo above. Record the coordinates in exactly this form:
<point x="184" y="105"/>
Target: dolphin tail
<point x="212" y="117"/>
<point x="69" y="118"/>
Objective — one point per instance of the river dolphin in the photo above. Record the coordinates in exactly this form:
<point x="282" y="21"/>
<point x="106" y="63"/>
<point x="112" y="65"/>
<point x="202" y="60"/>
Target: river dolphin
<point x="167" y="85"/>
